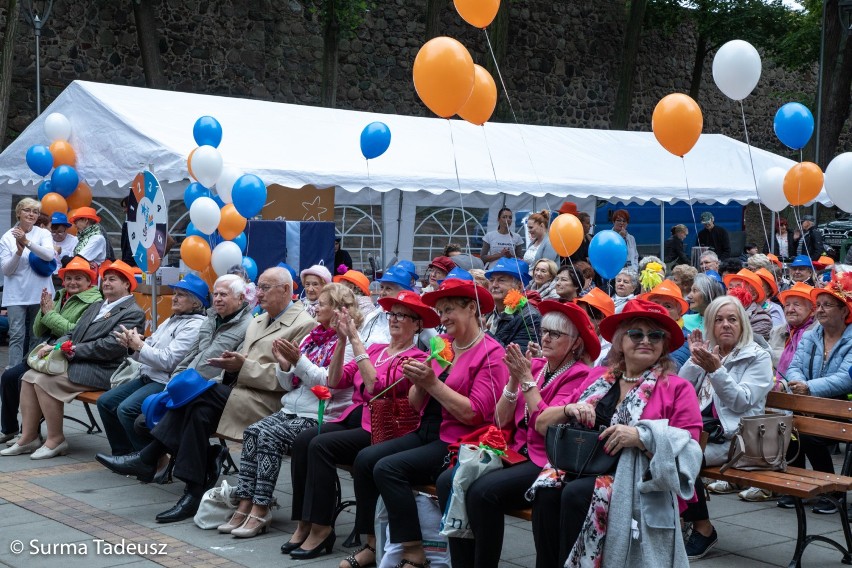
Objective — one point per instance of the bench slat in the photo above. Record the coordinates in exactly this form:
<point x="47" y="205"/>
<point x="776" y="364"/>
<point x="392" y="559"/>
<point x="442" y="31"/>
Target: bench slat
<point x="90" y="397"/>
<point x="791" y="486"/>
<point x="828" y="407"/>
<point x="840" y="431"/>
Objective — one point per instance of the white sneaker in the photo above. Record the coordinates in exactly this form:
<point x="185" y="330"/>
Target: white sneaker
<point x="756" y="495"/>
<point x="722" y="487"/>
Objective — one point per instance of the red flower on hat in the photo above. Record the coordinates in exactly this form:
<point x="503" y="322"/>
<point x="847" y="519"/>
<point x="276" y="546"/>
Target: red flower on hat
<point x="321" y="392"/>
<point x="741" y="294"/>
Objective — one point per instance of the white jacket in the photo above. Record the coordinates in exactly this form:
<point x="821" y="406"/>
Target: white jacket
<point x="167" y="346"/>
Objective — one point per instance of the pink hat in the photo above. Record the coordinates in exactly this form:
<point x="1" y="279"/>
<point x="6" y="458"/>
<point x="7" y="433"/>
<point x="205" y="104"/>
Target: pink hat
<point x="317" y="270"/>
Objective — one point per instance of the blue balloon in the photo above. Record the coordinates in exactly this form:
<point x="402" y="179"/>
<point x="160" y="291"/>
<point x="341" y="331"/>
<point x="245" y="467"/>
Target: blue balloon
<point x="44" y="188"/>
<point x="251" y="267"/>
<point x="794" y="125"/>
<point x="192" y="192"/>
<point x="375" y="140"/>
<point x="64" y="180"/>
<point x="249" y="195"/>
<point x="241" y="240"/>
<point x="608" y="253"/>
<point x="39" y="159"/>
<point x="218" y="201"/>
<point x="207" y="132"/>
<point x="191" y="230"/>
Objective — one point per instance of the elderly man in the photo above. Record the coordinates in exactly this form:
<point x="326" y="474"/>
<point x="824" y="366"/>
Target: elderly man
<point x="249" y="391"/>
<point x="801" y="270"/>
<point x="511" y="323"/>
<point x="811" y="242"/>
<point x="183" y="341"/>
<point x="714" y="236"/>
<point x="709" y="261"/>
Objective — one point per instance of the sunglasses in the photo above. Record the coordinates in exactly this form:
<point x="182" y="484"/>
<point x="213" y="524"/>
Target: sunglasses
<point x="654" y="337"/>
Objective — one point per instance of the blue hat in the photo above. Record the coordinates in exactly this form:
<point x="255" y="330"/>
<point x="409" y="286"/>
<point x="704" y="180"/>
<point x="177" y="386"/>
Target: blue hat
<point x="59" y="219"/>
<point x="195" y="286"/>
<point x="398" y="276"/>
<point x="409" y="267"/>
<point x="184" y="387"/>
<point x="715" y="276"/>
<point x="513" y="267"/>
<point x="42" y="267"/>
<point x="154" y="407"/>
<point x="459" y="273"/>
<point x="801" y="260"/>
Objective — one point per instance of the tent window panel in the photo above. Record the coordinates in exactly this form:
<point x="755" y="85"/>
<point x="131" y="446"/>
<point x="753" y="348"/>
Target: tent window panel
<point x="438" y="226"/>
<point x="361" y="231"/>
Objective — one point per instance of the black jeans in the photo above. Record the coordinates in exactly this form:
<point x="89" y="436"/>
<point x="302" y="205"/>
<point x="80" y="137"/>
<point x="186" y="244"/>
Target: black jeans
<point x="10" y="397"/>
<point x="558" y="516"/>
<point x="816" y="449"/>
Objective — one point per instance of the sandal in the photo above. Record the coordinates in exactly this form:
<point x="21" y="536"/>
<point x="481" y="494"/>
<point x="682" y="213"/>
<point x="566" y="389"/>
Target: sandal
<point x="354" y="563"/>
<point x="405" y="561"/>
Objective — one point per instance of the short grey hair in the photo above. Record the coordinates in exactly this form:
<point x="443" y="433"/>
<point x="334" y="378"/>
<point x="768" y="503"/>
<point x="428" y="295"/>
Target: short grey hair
<point x="709" y="254"/>
<point x="632" y="274"/>
<point x="27" y="203"/>
<point x="759" y="260"/>
<point x="560" y="322"/>
<point x="747" y="335"/>
<point x="235" y="284"/>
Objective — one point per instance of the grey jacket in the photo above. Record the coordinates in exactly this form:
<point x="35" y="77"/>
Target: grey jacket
<point x="211" y="342"/>
<point x="169" y="345"/>
<point x="97" y="353"/>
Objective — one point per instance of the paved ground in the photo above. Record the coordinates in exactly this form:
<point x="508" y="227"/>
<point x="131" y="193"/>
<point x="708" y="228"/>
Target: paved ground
<point x="69" y="511"/>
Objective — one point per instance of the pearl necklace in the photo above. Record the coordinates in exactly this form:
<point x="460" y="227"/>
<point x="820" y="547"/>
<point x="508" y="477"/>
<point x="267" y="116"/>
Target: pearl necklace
<point x="380" y="361"/>
<point x="633" y="379"/>
<point x="469" y="345"/>
<point x="541" y="373"/>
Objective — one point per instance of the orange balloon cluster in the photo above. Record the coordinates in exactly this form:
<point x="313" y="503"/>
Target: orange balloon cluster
<point x="443" y="75"/>
<point x="53" y="203"/>
<point x="196" y="253"/>
<point x="483" y="100"/>
<point x="231" y="223"/>
<point x="803" y="183"/>
<point x="566" y="234"/>
<point x="82" y="196"/>
<point x="477" y="13"/>
<point x="677" y="123"/>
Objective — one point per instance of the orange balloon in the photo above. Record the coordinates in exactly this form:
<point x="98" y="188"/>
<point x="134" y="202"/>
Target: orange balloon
<point x="82" y="196"/>
<point x="477" y="13"/>
<point x="483" y="100"/>
<point x="677" y="122"/>
<point x="195" y="252"/>
<point x="803" y="183"/>
<point x="443" y="75"/>
<point x="189" y="163"/>
<point x="208" y="275"/>
<point x="231" y="223"/>
<point x="53" y="203"/>
<point x="566" y="234"/>
<point x="63" y="154"/>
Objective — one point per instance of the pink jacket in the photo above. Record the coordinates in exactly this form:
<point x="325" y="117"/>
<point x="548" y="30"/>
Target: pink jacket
<point x="556" y="393"/>
<point x="480" y="375"/>
<point x="352" y="377"/>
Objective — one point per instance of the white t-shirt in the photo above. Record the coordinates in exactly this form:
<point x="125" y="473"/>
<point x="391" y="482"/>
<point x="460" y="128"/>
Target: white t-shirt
<point x="498" y="241"/>
<point x="66" y="248"/>
<point x="23" y="287"/>
<point x="95" y="249"/>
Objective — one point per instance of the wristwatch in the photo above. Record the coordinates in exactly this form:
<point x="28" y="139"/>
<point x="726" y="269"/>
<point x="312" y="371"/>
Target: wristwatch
<point x="525" y="386"/>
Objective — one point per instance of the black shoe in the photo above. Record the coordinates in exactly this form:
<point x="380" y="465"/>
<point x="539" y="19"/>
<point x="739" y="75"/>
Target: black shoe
<point x="699" y="545"/>
<point x="786" y="502"/>
<point x="824" y="507"/>
<point x="289" y="547"/>
<point x="216" y="456"/>
<point x="130" y="464"/>
<point x="324" y="547"/>
<point x="164" y="475"/>
<point x="185" y="508"/>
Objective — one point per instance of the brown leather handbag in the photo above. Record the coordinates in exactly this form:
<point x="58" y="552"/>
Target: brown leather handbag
<point x="760" y="443"/>
<point x="392" y="417"/>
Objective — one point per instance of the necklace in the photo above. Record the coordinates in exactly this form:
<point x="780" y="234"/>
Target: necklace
<point x="469" y="345"/>
<point x="544" y="372"/>
<point x="632" y="379"/>
<point x="380" y="361"/>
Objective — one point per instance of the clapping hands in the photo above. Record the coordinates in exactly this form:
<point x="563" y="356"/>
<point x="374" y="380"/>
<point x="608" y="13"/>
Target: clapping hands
<point x="702" y="355"/>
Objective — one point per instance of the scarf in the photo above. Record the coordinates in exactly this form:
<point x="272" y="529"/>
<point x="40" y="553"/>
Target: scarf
<point x="310" y="307"/>
<point x="318" y="347"/>
<point x="794" y="335"/>
<point x="84" y="236"/>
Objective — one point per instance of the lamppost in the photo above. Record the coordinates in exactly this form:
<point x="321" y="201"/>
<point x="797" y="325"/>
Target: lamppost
<point x="32" y="9"/>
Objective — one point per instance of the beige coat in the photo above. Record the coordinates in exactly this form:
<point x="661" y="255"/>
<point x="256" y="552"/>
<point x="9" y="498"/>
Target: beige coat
<point x="257" y="393"/>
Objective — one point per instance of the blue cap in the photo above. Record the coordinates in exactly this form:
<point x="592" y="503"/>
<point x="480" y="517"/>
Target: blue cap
<point x="409" y="267"/>
<point x="513" y="267"/>
<point x="185" y="387"/>
<point x="459" y="273"/>
<point x="715" y="276"/>
<point x="195" y="286"/>
<point x="802" y="260"/>
<point x="154" y="407"/>
<point x="398" y="276"/>
<point x="42" y="267"/>
<point x="59" y="219"/>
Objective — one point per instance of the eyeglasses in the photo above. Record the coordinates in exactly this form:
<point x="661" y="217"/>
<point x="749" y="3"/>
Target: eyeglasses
<point x="827" y="306"/>
<point x="554" y="335"/>
<point x="397" y="316"/>
<point x="28" y="210"/>
<point x="267" y="287"/>
<point x="637" y="336"/>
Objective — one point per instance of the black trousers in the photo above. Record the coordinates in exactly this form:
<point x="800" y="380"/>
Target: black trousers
<point x="816" y="449"/>
<point x="487" y="500"/>
<point x="313" y="471"/>
<point x="558" y="516"/>
<point x="10" y="397"/>
<point x="186" y="431"/>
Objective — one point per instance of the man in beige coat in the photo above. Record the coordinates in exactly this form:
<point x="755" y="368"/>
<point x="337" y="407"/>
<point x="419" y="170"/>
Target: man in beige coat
<point x="249" y="392"/>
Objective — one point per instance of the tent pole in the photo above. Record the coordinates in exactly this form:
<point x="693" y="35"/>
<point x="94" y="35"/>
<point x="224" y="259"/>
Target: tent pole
<point x="662" y="230"/>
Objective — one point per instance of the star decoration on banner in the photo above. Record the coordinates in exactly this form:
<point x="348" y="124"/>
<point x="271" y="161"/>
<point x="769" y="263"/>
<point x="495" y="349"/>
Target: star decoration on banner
<point x="313" y="210"/>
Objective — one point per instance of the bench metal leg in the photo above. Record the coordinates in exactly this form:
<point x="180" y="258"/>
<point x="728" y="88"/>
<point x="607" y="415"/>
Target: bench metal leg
<point x="354" y="538"/>
<point x="230" y="464"/>
<point x="92" y="427"/>
<point x="803" y="539"/>
<point x="801" y="533"/>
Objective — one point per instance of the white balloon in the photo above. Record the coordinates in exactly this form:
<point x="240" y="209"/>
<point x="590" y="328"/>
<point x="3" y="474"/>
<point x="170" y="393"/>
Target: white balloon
<point x="736" y="69"/>
<point x="205" y="215"/>
<point x="206" y="164"/>
<point x="838" y="181"/>
<point x="57" y="127"/>
<point x="226" y="183"/>
<point x="225" y="256"/>
<point x="770" y="188"/>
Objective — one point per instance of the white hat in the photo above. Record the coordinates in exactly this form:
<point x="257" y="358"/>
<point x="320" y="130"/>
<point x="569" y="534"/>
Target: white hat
<point x="317" y="270"/>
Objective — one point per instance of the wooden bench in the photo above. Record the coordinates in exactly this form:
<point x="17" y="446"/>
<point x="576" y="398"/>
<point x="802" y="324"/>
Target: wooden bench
<point x="826" y="418"/>
<point x="87" y="398"/>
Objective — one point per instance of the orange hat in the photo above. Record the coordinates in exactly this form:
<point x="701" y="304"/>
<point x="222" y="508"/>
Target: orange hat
<point x="568" y="207"/>
<point x="357" y="278"/>
<point x="597" y="298"/>
<point x="799" y="289"/>
<point x="839" y="287"/>
<point x="79" y="264"/>
<point x="750" y="278"/>
<point x="774" y="260"/>
<point x="669" y="289"/>
<point x="122" y="268"/>
<point x="823" y="262"/>
<point x="85" y="213"/>
<point x="769" y="278"/>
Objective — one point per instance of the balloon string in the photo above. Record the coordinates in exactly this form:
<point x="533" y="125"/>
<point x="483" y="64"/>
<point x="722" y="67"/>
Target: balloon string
<point x="491" y="159"/>
<point x="691" y="208"/>
<point x="805" y="245"/>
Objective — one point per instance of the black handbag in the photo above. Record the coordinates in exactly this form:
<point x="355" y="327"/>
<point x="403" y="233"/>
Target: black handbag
<point x="578" y="450"/>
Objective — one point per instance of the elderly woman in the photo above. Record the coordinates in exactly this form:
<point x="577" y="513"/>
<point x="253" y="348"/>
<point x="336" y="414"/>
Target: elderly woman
<point x="683" y="275"/>
<point x="667" y="294"/>
<point x="626" y="283"/>
<point x="539" y="247"/>
<point x="568" y="343"/>
<point x="770" y="288"/>
<point x="360" y="286"/>
<point x="56" y="317"/>
<point x="785" y="338"/>
<point x="315" y="455"/>
<point x="705" y="289"/>
<point x="644" y="411"/>
<point x="91" y="241"/>
<point x="732" y="375"/>
<point x="437" y="271"/>
<point x="748" y="288"/>
<point x="543" y="275"/>
<point x="820" y="367"/>
<point x="93" y="352"/>
<point x="265" y="442"/>
<point x="313" y="279"/>
<point x="567" y="284"/>
<point x="23" y="286"/>
<point x="620" y="220"/>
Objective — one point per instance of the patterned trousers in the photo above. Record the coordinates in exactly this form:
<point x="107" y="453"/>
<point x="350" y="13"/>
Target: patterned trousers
<point x="264" y="444"/>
